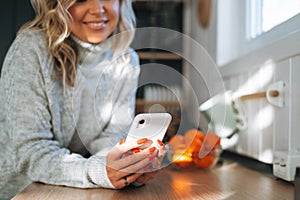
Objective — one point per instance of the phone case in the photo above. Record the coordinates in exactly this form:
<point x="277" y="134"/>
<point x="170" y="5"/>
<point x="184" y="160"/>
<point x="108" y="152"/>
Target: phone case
<point x="149" y="125"/>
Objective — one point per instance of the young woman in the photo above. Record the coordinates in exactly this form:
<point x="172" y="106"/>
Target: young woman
<point x="67" y="99"/>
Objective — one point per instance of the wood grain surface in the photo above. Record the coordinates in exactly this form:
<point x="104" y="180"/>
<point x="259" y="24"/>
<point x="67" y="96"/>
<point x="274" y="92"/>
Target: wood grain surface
<point x="226" y="181"/>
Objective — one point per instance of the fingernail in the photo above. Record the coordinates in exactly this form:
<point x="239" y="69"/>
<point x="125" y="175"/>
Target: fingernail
<point x="151" y="157"/>
<point x="160" y="143"/>
<point x="135" y="150"/>
<point x="142" y="141"/>
<point x="122" y="141"/>
<point x="152" y="149"/>
<point x="147" y="167"/>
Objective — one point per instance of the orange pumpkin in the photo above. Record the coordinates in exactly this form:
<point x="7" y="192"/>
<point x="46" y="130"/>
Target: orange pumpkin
<point x="204" y="162"/>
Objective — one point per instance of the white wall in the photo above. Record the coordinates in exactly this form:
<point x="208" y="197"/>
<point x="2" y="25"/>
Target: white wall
<point x="270" y="128"/>
<point x="206" y="37"/>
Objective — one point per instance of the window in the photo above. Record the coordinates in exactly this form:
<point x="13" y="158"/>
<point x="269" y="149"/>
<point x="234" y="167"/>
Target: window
<point x="245" y="26"/>
<point x="267" y="14"/>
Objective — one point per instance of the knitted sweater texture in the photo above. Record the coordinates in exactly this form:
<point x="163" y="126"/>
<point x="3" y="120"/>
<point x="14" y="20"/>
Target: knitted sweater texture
<point x="58" y="135"/>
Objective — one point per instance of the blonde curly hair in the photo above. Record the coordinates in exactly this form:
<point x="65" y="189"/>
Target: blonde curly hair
<point x="53" y="18"/>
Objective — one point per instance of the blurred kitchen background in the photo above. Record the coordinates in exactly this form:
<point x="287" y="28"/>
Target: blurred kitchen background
<point x="253" y="44"/>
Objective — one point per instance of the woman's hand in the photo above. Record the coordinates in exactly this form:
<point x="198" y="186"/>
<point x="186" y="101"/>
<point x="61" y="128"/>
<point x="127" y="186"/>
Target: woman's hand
<point x="154" y="168"/>
<point x="123" y="170"/>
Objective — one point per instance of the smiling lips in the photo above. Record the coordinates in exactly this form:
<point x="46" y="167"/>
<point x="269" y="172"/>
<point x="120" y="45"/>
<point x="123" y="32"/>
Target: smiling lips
<point x="96" y="25"/>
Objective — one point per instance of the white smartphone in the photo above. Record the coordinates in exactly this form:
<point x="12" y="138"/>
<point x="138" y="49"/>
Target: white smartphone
<point x="149" y="125"/>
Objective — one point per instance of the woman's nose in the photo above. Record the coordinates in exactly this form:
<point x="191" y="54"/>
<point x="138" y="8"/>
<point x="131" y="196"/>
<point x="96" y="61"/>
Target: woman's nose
<point x="97" y="7"/>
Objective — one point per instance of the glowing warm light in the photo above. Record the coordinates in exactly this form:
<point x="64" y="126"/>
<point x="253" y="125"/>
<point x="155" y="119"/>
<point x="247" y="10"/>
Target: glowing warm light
<point x="185" y="186"/>
<point x="182" y="183"/>
<point x="195" y="148"/>
<point x="180" y="157"/>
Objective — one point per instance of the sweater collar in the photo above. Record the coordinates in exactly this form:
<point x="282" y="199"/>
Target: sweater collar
<point x="101" y="47"/>
<point x="92" y="53"/>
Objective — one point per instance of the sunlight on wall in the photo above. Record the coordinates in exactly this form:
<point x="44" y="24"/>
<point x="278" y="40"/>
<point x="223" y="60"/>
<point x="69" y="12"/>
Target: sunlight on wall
<point x="264" y="117"/>
<point x="256" y="140"/>
<point x="259" y="80"/>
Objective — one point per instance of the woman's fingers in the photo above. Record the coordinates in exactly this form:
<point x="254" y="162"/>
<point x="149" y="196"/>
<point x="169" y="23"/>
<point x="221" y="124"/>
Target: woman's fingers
<point x="130" y="160"/>
<point x="161" y="149"/>
<point x="146" y="177"/>
<point x="128" y="165"/>
<point x="133" y="164"/>
<point x="156" y="164"/>
<point x="121" y="179"/>
<point x="131" y="172"/>
<point x="125" y="146"/>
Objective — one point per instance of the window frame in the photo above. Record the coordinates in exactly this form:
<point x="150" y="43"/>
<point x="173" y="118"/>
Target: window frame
<point x="233" y="43"/>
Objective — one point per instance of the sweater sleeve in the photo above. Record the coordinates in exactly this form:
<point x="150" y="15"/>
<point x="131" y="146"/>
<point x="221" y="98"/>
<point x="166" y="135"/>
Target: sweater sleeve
<point x="34" y="150"/>
<point x="123" y="109"/>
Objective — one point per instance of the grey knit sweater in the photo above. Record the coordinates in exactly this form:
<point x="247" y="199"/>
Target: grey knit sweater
<point x="46" y="131"/>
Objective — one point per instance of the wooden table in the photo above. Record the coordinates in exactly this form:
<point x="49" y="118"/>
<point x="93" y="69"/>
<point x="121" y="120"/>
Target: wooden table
<point x="227" y="181"/>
